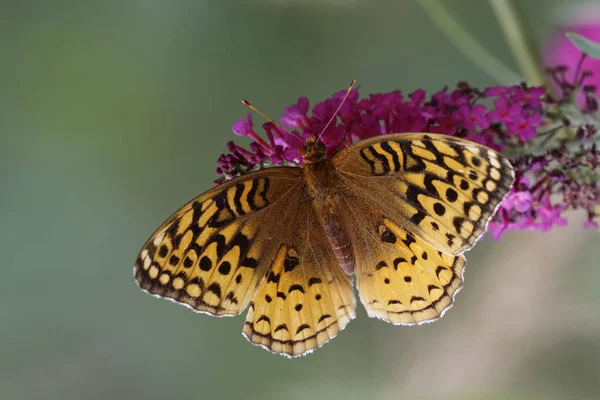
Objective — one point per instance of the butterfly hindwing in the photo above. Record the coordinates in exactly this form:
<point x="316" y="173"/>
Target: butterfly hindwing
<point x="438" y="187"/>
<point x="210" y="254"/>
<point x="401" y="278"/>
<point x="305" y="299"/>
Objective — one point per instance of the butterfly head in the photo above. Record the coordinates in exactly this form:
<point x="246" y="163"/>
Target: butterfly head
<point x="313" y="151"/>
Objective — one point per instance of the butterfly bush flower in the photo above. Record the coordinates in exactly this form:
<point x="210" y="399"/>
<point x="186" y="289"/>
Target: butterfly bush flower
<point x="551" y="141"/>
<point x="561" y="51"/>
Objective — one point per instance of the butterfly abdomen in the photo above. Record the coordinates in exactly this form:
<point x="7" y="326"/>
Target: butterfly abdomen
<point x="331" y="221"/>
<point x="321" y="182"/>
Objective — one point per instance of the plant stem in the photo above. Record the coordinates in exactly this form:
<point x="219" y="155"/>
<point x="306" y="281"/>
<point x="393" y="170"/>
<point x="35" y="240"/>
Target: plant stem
<point x="519" y="40"/>
<point x="467" y="44"/>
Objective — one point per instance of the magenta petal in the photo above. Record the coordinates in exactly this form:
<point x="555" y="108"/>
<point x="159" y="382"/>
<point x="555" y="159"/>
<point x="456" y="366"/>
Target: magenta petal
<point x="243" y="127"/>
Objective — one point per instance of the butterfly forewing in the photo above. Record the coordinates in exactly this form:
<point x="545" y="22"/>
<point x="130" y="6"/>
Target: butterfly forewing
<point x="211" y="254"/>
<point x="441" y="188"/>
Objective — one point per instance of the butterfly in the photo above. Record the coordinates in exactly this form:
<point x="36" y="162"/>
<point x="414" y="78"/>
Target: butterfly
<point x="396" y="210"/>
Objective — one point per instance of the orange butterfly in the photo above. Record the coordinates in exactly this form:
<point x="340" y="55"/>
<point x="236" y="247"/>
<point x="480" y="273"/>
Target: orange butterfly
<point x="398" y="210"/>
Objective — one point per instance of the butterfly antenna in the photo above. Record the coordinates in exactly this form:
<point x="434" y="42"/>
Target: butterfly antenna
<point x="250" y="106"/>
<point x="338" y="109"/>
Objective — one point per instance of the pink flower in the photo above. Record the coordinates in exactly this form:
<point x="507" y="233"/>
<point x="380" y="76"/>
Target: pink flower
<point x="295" y="116"/>
<point x="560" y="50"/>
<point x="521" y="201"/>
<point x="471" y="117"/>
<point x="529" y="97"/>
<point x="524" y="126"/>
<point x="243" y="127"/>
<point x="550" y="215"/>
<point x="505" y="112"/>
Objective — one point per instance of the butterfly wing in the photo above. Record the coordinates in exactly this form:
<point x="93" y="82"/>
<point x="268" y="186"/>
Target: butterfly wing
<point x="254" y="240"/>
<point x="400" y="277"/>
<point x="441" y="188"/>
<point x="418" y="201"/>
<point x="306" y="298"/>
<point x="209" y="255"/>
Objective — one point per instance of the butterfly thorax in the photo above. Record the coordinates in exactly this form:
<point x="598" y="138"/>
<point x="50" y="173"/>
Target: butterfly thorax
<point x="320" y="177"/>
<point x="318" y="171"/>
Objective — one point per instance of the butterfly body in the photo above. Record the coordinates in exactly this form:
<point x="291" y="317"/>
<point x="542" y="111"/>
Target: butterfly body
<point x="322" y="185"/>
<point x="397" y="210"/>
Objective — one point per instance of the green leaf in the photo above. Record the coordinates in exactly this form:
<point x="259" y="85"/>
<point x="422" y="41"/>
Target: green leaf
<point x="586" y="45"/>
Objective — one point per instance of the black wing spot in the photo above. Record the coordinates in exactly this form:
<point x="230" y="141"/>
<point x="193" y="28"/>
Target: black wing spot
<point x="458" y="222"/>
<point x="205" y="263"/>
<point x="231" y="297"/>
<point x="250" y="262"/>
<point x="187" y="262"/>
<point x="476" y="161"/>
<point x="398" y="261"/>
<point x="380" y="264"/>
<point x="264" y="318"/>
<point x="296" y="287"/>
<point x="324" y="317"/>
<point x="424" y="255"/>
<point x="298" y="307"/>
<point x="416" y="298"/>
<point x="302" y="327"/>
<point x="268" y="298"/>
<point x="464" y="185"/>
<point x="215" y="288"/>
<point x="439" y="209"/>
<point x="407" y="278"/>
<point x="473" y="175"/>
<point x="410" y="239"/>
<point x="174" y="260"/>
<point x="435" y="226"/>
<point x="281" y="295"/>
<point x="318" y="297"/>
<point x="281" y="327"/>
<point x="394" y="302"/>
<point x="273" y="277"/>
<point x="386" y="281"/>
<point x="432" y="287"/>
<point x="451" y="195"/>
<point x="450" y="239"/>
<point x="387" y="236"/>
<point x="290" y="263"/>
<point x="313" y="281"/>
<point x="238" y="279"/>
<point x="417" y="217"/>
<point x="438" y="270"/>
<point x="163" y="251"/>
<point x="225" y="268"/>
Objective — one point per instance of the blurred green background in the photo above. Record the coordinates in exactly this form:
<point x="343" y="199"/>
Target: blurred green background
<point x="112" y="114"/>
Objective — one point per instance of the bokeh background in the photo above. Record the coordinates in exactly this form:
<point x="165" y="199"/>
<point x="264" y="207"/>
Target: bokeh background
<point x="112" y="114"/>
